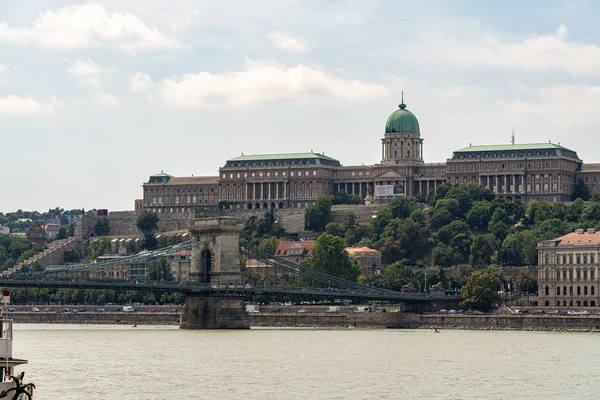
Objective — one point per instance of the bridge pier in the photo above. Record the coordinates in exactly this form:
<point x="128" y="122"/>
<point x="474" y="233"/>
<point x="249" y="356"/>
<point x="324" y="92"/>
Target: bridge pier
<point x="203" y="311"/>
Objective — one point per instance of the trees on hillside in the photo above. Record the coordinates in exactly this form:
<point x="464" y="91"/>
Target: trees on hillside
<point x="159" y="270"/>
<point x="147" y="223"/>
<point x="318" y="214"/>
<point x="329" y="256"/>
<point x="581" y="191"/>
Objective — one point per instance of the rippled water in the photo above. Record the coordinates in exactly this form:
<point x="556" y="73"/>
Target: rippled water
<point x="113" y="362"/>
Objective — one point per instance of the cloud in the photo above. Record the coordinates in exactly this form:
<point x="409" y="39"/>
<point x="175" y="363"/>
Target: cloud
<point x="87" y="26"/>
<point x="258" y="83"/>
<point x="89" y="75"/>
<point x="3" y="67"/>
<point x="288" y="43"/>
<point x="539" y="53"/>
<point x="13" y="105"/>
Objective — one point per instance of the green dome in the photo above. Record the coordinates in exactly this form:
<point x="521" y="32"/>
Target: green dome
<point x="402" y="120"/>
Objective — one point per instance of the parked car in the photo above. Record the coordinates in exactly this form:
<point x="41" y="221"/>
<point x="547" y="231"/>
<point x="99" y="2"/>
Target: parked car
<point x="172" y="310"/>
<point x="35" y="309"/>
<point x="555" y="312"/>
<point x="539" y="312"/>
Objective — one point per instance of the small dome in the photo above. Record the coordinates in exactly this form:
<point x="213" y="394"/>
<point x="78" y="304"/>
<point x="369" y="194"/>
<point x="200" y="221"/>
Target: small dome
<point x="402" y="121"/>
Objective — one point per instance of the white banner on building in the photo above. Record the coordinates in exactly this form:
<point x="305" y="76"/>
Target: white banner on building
<point x="384" y="190"/>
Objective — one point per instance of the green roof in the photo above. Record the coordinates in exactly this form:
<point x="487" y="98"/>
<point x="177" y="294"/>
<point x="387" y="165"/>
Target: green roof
<point x="402" y="121"/>
<point x="161" y="175"/>
<point x="512" y="147"/>
<point x="288" y="156"/>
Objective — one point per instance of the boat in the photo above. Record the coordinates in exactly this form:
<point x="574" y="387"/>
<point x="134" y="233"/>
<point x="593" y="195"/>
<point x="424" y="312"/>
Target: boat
<point x="12" y="386"/>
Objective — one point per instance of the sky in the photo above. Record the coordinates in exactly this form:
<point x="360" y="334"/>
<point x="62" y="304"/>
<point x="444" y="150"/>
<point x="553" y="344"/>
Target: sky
<point x="97" y="96"/>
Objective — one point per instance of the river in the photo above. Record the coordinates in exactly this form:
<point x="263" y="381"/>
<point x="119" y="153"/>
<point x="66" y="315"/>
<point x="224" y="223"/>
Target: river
<point x="91" y="362"/>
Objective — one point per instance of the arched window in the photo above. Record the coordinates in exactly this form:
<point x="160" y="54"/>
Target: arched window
<point x="547" y="273"/>
<point x="546" y="291"/>
<point x="585" y="290"/>
<point x="578" y="290"/>
<point x="547" y="259"/>
<point x="592" y="290"/>
<point x="558" y="290"/>
<point x="564" y="290"/>
<point x="395" y="153"/>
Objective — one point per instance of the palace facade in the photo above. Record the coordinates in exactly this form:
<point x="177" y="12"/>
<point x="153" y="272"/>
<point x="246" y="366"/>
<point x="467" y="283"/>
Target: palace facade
<point x="568" y="270"/>
<point x="541" y="171"/>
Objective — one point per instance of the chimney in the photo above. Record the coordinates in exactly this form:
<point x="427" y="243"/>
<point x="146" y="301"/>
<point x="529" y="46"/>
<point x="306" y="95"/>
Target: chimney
<point x="591" y="230"/>
<point x="579" y="231"/>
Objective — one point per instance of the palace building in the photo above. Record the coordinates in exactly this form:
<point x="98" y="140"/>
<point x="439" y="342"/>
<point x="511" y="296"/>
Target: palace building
<point x="568" y="270"/>
<point x="541" y="171"/>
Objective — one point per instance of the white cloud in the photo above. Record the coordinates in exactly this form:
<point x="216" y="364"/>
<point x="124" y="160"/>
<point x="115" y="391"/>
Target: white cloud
<point x="551" y="52"/>
<point x="13" y="105"/>
<point x="86" y="26"/>
<point x="140" y="82"/>
<point x="89" y="75"/>
<point x="258" y="83"/>
<point x="288" y="43"/>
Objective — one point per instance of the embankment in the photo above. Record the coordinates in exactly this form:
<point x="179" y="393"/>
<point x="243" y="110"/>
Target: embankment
<point x="337" y="320"/>
<point x="109" y="318"/>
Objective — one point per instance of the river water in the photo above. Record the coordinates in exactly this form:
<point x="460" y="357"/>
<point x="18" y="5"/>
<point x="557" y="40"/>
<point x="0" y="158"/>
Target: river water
<point x="115" y="362"/>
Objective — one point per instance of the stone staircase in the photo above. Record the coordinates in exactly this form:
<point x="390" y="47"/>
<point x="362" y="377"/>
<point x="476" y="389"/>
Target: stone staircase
<point x="53" y="252"/>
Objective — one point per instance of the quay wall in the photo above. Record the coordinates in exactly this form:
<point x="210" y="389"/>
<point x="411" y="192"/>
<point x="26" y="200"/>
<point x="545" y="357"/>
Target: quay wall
<point x="336" y="320"/>
<point x="108" y="318"/>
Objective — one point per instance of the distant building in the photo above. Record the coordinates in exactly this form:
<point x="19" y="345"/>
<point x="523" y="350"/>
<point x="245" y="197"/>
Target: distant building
<point x="541" y="171"/>
<point x="4" y="230"/>
<point x="36" y="234"/>
<point x="568" y="270"/>
<point x="164" y="193"/>
<point x="51" y="230"/>
<point x="260" y="267"/>
<point x="369" y="259"/>
<point x="294" y="251"/>
<point x="181" y="263"/>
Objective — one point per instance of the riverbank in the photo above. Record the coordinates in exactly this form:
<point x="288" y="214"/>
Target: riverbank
<point x="367" y="320"/>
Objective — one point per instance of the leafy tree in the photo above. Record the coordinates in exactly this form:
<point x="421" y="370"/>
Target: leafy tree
<point x="335" y="228"/>
<point x="147" y="223"/>
<point x="482" y="250"/>
<point x="445" y="256"/>
<point x="349" y="221"/>
<point x="318" y="214"/>
<point x="456" y="235"/>
<point x="440" y="218"/>
<point x="159" y="270"/>
<point x="268" y="244"/>
<point x="402" y="207"/>
<point x="527" y="282"/>
<point x="480" y="292"/>
<point x="479" y="216"/>
<point x="581" y="191"/>
<point x="329" y="256"/>
<point x="499" y="230"/>
<point x="591" y="213"/>
<point x="575" y="211"/>
<point x="102" y="227"/>
<point x="511" y="252"/>
<point x="595" y="197"/>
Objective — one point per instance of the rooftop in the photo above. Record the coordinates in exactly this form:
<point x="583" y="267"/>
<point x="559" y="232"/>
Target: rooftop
<point x="512" y="147"/>
<point x="283" y="156"/>
<point x="304" y="248"/>
<point x="354" y="250"/>
<point x="578" y="237"/>
<point x="191" y="180"/>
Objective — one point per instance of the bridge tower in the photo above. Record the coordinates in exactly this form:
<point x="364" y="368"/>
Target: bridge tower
<point x="215" y="260"/>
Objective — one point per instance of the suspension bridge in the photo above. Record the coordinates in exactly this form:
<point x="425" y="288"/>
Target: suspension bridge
<point x="216" y="294"/>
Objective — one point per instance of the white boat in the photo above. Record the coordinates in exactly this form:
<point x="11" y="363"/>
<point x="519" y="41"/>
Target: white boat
<point x="12" y="386"/>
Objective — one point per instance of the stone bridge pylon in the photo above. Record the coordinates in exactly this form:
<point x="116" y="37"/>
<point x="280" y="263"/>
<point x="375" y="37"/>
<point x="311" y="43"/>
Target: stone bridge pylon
<point x="215" y="260"/>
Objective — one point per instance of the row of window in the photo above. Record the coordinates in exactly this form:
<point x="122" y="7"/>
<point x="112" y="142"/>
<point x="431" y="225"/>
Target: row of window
<point x="239" y="175"/>
<point x="563" y="292"/>
<point x="177" y="191"/>
<point x="180" y="200"/>
<point x="508" y="154"/>
<point x="479" y="167"/>
<point x="577" y="258"/>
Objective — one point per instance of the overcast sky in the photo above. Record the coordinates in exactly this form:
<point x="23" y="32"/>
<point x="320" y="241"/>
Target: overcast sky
<point x="95" y="97"/>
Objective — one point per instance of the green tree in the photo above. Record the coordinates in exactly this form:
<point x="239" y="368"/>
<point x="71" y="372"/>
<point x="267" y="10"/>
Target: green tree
<point x="329" y="256"/>
<point x="147" y="223"/>
<point x="445" y="256"/>
<point x="102" y="227"/>
<point x="318" y="214"/>
<point x="480" y="292"/>
<point x="482" y="250"/>
<point x="479" y="216"/>
<point x="575" y="211"/>
<point x="159" y="270"/>
<point x="581" y="191"/>
<point x="268" y="244"/>
<point x="335" y="228"/>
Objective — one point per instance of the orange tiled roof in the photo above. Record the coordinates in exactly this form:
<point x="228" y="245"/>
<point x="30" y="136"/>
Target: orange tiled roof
<point x="353" y="250"/>
<point x="283" y="247"/>
<point x="579" y="238"/>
